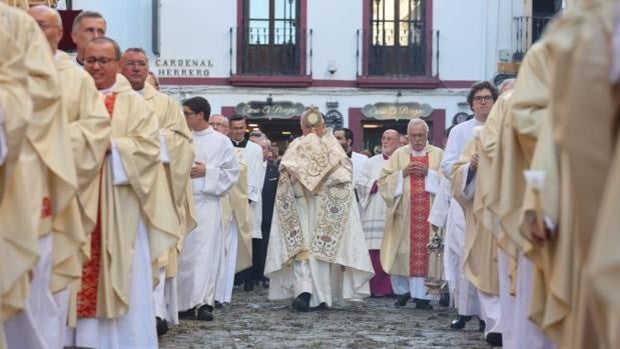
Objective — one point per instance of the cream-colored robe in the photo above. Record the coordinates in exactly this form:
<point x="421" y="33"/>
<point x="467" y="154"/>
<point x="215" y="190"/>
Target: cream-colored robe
<point x="583" y="160"/>
<point x="480" y="250"/>
<point x="45" y="158"/>
<point x="16" y="106"/>
<point x="179" y="145"/>
<point x="316" y="220"/>
<point x="235" y="206"/>
<point x="89" y="126"/>
<point x="135" y="134"/>
<point x="395" y="247"/>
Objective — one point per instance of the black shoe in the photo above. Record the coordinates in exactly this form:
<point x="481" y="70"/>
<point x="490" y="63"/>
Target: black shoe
<point x="248" y="286"/>
<point x="482" y="326"/>
<point x="162" y="326"/>
<point x="205" y="313"/>
<point x="423" y="304"/>
<point x="302" y="302"/>
<point x="403" y="299"/>
<point x="444" y="299"/>
<point x="189" y="314"/>
<point x="322" y="306"/>
<point x="459" y="323"/>
<point x="265" y="283"/>
<point x="217" y="305"/>
<point x="494" y="339"/>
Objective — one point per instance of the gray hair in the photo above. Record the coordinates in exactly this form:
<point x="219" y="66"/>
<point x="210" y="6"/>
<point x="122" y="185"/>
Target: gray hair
<point x="414" y="122"/>
<point x="48" y="9"/>
<point x="85" y="14"/>
<point x="137" y="50"/>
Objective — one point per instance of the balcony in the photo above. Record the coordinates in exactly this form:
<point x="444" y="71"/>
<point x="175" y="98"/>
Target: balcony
<point x="270" y="57"/>
<point x="398" y="58"/>
<point x="527" y="30"/>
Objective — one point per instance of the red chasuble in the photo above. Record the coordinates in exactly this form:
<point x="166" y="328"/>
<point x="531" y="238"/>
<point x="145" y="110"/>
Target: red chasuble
<point x="419" y="227"/>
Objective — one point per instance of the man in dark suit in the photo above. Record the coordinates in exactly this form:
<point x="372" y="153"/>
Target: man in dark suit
<point x="268" y="198"/>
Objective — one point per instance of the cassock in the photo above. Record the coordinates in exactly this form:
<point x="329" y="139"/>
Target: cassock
<point x="89" y="126"/>
<point x="404" y="249"/>
<point x="115" y="303"/>
<point x="466" y="301"/>
<point x="268" y="199"/>
<point x="46" y="162"/>
<point x="480" y="250"/>
<point x="583" y="164"/>
<point x="237" y="228"/>
<point x="253" y="157"/>
<point x="373" y="216"/>
<point x="200" y="256"/>
<point x="177" y="156"/>
<point x="316" y="244"/>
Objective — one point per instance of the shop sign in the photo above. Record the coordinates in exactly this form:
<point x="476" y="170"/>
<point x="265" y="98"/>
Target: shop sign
<point x="278" y="110"/>
<point x="391" y="111"/>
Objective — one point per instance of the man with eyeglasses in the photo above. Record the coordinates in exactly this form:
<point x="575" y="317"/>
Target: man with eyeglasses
<point x="90" y="131"/>
<point x="177" y="156"/>
<point x="408" y="183"/>
<point x="481" y="98"/>
<point x="134" y="225"/>
<point x="374" y="210"/>
<point x="42" y="186"/>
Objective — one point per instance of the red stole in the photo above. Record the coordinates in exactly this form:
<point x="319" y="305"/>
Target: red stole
<point x="87" y="296"/>
<point x="419" y="227"/>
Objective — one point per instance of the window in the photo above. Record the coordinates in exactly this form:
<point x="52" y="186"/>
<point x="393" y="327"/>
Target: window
<point x="270" y="38"/>
<point x="397" y="45"/>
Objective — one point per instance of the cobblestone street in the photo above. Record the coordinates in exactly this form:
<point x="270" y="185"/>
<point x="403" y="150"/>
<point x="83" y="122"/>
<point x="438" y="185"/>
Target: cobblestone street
<point x="254" y="322"/>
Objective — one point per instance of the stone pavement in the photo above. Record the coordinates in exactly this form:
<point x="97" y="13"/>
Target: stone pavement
<point x="252" y="321"/>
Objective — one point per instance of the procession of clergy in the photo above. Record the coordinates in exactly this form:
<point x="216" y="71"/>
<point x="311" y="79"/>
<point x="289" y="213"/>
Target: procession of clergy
<point x="120" y="212"/>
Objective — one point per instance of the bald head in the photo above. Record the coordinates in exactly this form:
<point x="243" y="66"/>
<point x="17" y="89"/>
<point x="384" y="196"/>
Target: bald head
<point x="50" y="22"/>
<point x="219" y="123"/>
<point x="507" y="85"/>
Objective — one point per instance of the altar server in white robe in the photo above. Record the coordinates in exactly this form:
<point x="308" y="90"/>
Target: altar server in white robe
<point x="467" y="300"/>
<point x="214" y="172"/>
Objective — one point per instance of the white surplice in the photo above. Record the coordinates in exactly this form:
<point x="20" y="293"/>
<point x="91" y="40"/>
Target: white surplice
<point x="373" y="206"/>
<point x="201" y="252"/>
<point x="253" y="156"/>
<point x="467" y="300"/>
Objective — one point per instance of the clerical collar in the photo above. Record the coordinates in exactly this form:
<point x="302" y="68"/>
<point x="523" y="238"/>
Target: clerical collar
<point x="141" y="92"/>
<point x="109" y="90"/>
<point x="206" y="131"/>
<point x="349" y="154"/>
<point x="417" y="153"/>
<point x="240" y="144"/>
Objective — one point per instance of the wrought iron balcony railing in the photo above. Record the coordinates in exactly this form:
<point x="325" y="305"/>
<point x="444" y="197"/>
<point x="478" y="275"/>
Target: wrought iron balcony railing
<point x="527" y="31"/>
<point x="269" y="51"/>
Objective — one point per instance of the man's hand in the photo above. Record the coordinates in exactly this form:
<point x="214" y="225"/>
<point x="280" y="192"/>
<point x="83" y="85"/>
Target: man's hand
<point x="473" y="162"/>
<point x="539" y="236"/>
<point x="198" y="170"/>
<point x="415" y="168"/>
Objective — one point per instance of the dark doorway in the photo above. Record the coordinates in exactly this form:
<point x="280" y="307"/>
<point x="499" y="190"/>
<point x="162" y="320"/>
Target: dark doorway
<point x="280" y="131"/>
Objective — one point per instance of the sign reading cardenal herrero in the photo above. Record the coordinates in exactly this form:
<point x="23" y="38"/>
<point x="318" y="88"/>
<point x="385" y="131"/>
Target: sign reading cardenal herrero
<point x="389" y="111"/>
<point x="278" y="110"/>
<point x="183" y="67"/>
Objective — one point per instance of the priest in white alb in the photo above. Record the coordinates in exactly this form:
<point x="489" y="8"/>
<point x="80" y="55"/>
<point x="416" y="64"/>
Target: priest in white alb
<point x="408" y="183"/>
<point x="374" y="210"/>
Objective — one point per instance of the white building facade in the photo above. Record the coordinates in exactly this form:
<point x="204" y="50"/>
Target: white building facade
<point x="367" y="64"/>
